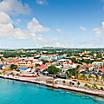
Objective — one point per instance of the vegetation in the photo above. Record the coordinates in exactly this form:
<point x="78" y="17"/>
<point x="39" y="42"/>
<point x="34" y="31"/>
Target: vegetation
<point x="53" y="70"/>
<point x="73" y="72"/>
<point x="13" y="66"/>
<point x="78" y="83"/>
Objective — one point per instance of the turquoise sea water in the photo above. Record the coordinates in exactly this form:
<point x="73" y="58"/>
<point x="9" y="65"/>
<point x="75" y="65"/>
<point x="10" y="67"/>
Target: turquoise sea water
<point x="15" y="92"/>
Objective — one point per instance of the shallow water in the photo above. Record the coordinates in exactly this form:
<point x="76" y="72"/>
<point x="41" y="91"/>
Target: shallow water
<point x="15" y="92"/>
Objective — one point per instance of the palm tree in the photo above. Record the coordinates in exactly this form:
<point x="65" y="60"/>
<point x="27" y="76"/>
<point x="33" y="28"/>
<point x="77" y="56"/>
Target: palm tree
<point x="77" y="71"/>
<point x="97" y="77"/>
<point x="78" y="83"/>
<point x="2" y="60"/>
<point x="102" y="79"/>
<point x="82" y="76"/>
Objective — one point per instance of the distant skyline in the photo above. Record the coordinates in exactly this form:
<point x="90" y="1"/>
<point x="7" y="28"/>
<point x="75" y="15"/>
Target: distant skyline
<point x="52" y="23"/>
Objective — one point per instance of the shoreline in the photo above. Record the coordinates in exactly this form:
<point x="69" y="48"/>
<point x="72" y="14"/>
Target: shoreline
<point x="57" y="86"/>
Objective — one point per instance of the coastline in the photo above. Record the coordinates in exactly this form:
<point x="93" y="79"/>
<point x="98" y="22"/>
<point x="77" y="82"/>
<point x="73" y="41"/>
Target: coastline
<point x="56" y="86"/>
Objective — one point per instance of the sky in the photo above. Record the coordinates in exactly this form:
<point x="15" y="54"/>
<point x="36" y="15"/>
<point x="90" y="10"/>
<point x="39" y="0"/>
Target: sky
<point x="51" y="23"/>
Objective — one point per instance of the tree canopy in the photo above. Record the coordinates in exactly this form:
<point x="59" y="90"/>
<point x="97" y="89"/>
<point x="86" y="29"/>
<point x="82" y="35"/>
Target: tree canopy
<point x="53" y="70"/>
<point x="72" y="72"/>
<point x="13" y="66"/>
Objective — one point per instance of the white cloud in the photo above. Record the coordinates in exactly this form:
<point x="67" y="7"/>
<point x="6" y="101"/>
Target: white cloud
<point x="14" y="7"/>
<point x="21" y="34"/>
<point x="5" y="24"/>
<point x="82" y="28"/>
<point x="41" y="2"/>
<point x="7" y="29"/>
<point x="35" y="26"/>
<point x="4" y="18"/>
<point x="31" y="32"/>
<point x="33" y="29"/>
<point x="99" y="30"/>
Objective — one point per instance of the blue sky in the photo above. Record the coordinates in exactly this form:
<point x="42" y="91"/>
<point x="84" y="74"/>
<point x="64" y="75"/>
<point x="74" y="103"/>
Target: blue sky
<point x="57" y="23"/>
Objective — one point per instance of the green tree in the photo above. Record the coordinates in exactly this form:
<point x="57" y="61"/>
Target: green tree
<point x="13" y="66"/>
<point x="74" y="60"/>
<point x="72" y="72"/>
<point x="99" y="55"/>
<point x="78" y="83"/>
<point x="53" y="70"/>
<point x="2" y="60"/>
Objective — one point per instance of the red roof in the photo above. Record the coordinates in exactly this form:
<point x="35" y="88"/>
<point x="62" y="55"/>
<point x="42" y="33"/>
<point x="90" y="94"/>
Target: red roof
<point x="19" y="60"/>
<point x="101" y="69"/>
<point x="90" y="65"/>
<point x="43" y="67"/>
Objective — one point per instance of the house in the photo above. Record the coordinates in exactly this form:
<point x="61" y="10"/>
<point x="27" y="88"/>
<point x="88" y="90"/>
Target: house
<point x="43" y="67"/>
<point x="101" y="69"/>
<point x="98" y="63"/>
<point x="25" y="62"/>
<point x="48" y="57"/>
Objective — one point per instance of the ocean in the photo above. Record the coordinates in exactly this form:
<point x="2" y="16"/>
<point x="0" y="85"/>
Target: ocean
<point x="15" y="92"/>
